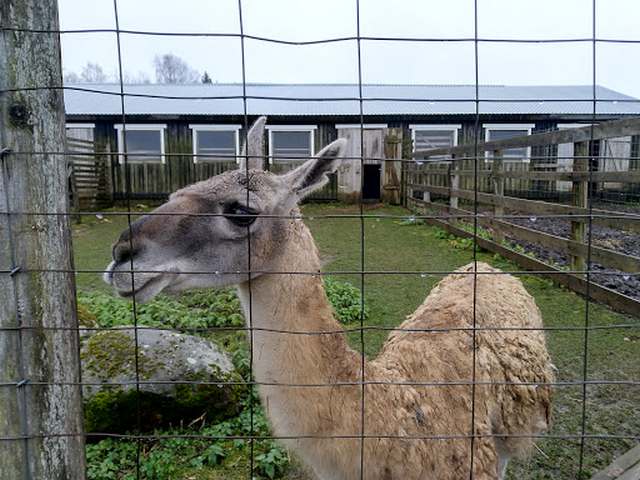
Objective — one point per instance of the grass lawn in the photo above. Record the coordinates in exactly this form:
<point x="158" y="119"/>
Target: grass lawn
<point x="391" y="244"/>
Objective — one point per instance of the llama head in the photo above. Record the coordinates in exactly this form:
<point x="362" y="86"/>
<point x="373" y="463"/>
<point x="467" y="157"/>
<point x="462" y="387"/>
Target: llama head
<point x="200" y="237"/>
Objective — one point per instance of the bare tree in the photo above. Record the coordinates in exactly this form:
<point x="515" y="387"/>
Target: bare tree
<point x="206" y="78"/>
<point x="71" y="77"/>
<point x="92" y="73"/>
<point x="139" y="78"/>
<point x="172" y="69"/>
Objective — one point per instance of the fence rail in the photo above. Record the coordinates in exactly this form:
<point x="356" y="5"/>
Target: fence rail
<point x="445" y="185"/>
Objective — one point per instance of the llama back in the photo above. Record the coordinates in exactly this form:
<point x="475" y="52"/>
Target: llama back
<point x="511" y="355"/>
<point x="501" y="301"/>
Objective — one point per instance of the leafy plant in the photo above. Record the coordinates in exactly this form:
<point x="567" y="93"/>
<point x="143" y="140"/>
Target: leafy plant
<point x="441" y="233"/>
<point x="109" y="458"/>
<point x="273" y="461"/>
<point x="163" y="459"/>
<point x="410" y="221"/>
<point x="198" y="309"/>
<point x="345" y="300"/>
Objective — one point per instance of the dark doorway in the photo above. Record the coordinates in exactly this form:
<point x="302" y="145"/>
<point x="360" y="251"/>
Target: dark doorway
<point x="371" y="183"/>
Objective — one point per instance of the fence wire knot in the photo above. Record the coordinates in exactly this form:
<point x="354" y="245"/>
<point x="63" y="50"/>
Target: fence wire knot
<point x="4" y="151"/>
<point x="14" y="270"/>
<point x="22" y="382"/>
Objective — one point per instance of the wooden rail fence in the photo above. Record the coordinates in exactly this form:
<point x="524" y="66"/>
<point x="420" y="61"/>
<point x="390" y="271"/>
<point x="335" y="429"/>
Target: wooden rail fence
<point x="450" y="186"/>
<point x="88" y="175"/>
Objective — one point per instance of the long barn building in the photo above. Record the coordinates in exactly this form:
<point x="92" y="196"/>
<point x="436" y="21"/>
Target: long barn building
<point x="178" y="134"/>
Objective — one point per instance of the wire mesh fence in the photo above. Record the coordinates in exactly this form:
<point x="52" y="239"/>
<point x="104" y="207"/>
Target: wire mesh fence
<point x="354" y="437"/>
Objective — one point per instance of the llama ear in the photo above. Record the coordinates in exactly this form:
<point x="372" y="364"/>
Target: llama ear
<point x="312" y="175"/>
<point x="255" y="140"/>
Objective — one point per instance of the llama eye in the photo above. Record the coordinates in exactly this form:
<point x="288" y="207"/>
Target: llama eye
<point x="240" y="215"/>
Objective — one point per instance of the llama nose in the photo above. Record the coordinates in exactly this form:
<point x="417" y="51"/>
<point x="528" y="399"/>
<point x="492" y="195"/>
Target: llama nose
<point x="122" y="252"/>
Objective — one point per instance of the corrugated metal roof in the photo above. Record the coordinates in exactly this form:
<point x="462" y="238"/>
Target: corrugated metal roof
<point x="391" y="100"/>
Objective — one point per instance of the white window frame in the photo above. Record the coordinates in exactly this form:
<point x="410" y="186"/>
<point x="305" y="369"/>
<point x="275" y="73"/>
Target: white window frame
<point x="568" y="126"/>
<point x="446" y="127"/>
<point x="292" y="128"/>
<point x="79" y="125"/>
<point x="507" y="126"/>
<point x="196" y="127"/>
<point x="140" y="127"/>
<point x="366" y="126"/>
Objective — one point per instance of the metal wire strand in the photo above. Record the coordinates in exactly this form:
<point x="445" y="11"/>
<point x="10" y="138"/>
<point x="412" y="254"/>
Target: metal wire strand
<point x="134" y="311"/>
<point x="479" y="435"/>
<point x="587" y="306"/>
<point x="346" y="330"/>
<point x="474" y="339"/>
<point x="245" y="117"/>
<point x="362" y="240"/>
<point x="353" y="99"/>
<point x="151" y="33"/>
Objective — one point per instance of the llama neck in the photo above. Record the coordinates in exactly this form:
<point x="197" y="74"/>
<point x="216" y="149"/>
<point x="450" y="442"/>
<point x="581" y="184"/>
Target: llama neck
<point x="298" y="303"/>
<point x="294" y="302"/>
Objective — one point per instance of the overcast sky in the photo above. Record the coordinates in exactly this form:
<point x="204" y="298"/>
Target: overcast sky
<point x="617" y="65"/>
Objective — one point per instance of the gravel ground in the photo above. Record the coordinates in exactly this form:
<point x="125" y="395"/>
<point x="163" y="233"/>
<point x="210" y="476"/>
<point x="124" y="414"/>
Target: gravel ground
<point x="613" y="239"/>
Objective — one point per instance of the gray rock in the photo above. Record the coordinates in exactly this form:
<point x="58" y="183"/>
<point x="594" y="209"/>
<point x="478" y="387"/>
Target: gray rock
<point x="165" y="361"/>
<point x="108" y="360"/>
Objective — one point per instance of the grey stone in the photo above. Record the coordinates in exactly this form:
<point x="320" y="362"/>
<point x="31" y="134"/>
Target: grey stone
<point x="108" y="359"/>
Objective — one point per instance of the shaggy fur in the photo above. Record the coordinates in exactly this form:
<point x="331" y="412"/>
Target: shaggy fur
<point x="298" y="303"/>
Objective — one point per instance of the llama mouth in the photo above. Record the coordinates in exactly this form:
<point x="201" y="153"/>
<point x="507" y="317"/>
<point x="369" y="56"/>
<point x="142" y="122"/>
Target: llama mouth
<point x="107" y="275"/>
<point x="148" y="290"/>
<point x="143" y="293"/>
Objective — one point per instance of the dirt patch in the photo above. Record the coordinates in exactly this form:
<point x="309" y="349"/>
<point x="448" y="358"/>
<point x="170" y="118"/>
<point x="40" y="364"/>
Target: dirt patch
<point x="613" y="239"/>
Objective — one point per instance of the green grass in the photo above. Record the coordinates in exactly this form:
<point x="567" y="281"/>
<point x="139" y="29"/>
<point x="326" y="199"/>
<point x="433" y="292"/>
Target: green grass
<point x="92" y="241"/>
<point x="395" y="245"/>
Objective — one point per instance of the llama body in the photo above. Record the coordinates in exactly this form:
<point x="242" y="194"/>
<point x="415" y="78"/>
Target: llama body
<point x="411" y="431"/>
<point x="298" y="303"/>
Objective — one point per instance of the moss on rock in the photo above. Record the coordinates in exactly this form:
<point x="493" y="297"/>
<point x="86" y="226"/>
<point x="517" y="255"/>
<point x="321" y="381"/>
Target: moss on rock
<point x="111" y="354"/>
<point x="86" y="318"/>
<point x="183" y="378"/>
<point x="117" y="411"/>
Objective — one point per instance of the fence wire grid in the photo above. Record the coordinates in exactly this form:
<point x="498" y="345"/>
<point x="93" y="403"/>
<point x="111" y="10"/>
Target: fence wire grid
<point x="475" y="216"/>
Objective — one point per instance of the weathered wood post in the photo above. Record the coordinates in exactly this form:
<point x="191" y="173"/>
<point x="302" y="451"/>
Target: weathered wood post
<point x="497" y="176"/>
<point x="392" y="169"/>
<point x="425" y="177"/>
<point x="454" y="182"/>
<point x="41" y="414"/>
<point x="580" y="193"/>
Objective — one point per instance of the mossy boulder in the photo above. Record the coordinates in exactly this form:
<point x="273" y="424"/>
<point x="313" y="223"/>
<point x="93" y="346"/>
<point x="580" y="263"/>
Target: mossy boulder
<point x="166" y="362"/>
<point x="85" y="317"/>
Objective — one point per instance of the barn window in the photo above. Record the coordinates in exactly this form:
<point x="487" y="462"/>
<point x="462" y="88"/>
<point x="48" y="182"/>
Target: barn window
<point x="501" y="131"/>
<point x="215" y="143"/>
<point x="290" y="143"/>
<point x="434" y="136"/>
<point x="145" y="143"/>
<point x="565" y="150"/>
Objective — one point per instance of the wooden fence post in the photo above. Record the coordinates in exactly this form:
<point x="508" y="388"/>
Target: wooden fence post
<point x="425" y="178"/>
<point x="454" y="181"/>
<point x="580" y="191"/>
<point x="41" y="414"/>
<point x="497" y="176"/>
